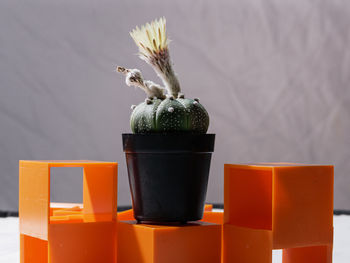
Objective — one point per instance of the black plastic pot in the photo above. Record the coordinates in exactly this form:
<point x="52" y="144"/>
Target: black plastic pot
<point x="168" y="175"/>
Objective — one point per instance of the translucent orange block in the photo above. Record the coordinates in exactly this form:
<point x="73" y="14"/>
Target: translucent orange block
<point x="82" y="242"/>
<point x="208" y="216"/>
<point x="198" y="242"/>
<point x="246" y="245"/>
<point x="63" y="212"/>
<point x="213" y="217"/>
<point x="33" y="249"/>
<point x="126" y="215"/>
<point x="319" y="254"/>
<point x="69" y="233"/>
<point x="208" y="207"/>
<point x="292" y="202"/>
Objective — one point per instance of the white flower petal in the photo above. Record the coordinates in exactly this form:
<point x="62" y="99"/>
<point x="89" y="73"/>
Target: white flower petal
<point x="151" y="37"/>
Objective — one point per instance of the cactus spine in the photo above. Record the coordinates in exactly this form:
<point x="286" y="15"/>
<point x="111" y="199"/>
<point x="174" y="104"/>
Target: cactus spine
<point x="161" y="113"/>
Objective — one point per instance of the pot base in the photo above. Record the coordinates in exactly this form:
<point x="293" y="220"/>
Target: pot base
<point x="162" y="223"/>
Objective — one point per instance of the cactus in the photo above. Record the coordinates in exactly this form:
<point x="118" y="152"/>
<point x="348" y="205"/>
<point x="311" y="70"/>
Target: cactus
<point x="160" y="113"/>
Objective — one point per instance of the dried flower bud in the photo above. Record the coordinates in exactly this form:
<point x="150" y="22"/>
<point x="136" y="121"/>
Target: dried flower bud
<point x="122" y="70"/>
<point x="170" y="97"/>
<point x="148" y="101"/>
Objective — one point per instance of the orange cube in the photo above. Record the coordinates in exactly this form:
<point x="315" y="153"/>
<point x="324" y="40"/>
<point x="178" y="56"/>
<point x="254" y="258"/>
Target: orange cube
<point x="197" y="242"/>
<point x="126" y="215"/>
<point x="213" y="217"/>
<point x="208" y="207"/>
<point x="74" y="234"/>
<point x="317" y="254"/>
<point x="292" y="202"/>
<point x="241" y="244"/>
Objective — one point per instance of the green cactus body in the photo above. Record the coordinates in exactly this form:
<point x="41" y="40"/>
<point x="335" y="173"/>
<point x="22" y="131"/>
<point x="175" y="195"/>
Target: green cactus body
<point x="168" y="116"/>
<point x="197" y="116"/>
<point x="143" y="117"/>
<point x="171" y="116"/>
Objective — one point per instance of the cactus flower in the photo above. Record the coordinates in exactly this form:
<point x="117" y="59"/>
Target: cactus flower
<point x="153" y="44"/>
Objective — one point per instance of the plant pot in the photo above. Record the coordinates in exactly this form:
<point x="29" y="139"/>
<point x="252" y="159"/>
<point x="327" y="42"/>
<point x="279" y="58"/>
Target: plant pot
<point x="168" y="175"/>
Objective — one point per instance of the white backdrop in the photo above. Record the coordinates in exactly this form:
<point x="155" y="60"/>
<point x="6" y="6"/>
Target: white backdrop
<point x="273" y="75"/>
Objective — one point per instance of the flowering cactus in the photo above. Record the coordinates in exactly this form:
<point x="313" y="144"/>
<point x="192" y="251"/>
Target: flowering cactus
<point x="160" y="112"/>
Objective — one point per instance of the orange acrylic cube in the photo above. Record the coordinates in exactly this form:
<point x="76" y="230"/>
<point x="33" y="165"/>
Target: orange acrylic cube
<point x="213" y="217"/>
<point x="197" y="242"/>
<point x="83" y="233"/>
<point x="126" y="215"/>
<point x="292" y="202"/>
<point x="246" y="245"/>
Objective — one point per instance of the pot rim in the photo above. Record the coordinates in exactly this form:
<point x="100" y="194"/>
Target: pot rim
<point x="168" y="143"/>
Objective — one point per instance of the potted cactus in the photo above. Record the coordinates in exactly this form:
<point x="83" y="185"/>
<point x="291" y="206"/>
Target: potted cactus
<point x="168" y="154"/>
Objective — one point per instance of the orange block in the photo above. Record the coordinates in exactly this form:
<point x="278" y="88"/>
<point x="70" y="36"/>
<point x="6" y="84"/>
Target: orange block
<point x="248" y="196"/>
<point x="247" y="245"/>
<point x="69" y="233"/>
<point x="63" y="212"/>
<point x="33" y="249"/>
<point x="34" y="199"/>
<point x="213" y="217"/>
<point x="82" y="242"/>
<point x="208" y="207"/>
<point x="198" y="242"/>
<point x="294" y="202"/>
<point x="317" y="254"/>
<point x="303" y="206"/>
<point x="126" y="215"/>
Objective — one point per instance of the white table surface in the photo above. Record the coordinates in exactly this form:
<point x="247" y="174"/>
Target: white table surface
<point x="9" y="241"/>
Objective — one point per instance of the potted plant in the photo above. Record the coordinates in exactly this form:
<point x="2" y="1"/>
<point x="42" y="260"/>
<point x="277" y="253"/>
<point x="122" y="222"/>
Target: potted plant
<point x="168" y="154"/>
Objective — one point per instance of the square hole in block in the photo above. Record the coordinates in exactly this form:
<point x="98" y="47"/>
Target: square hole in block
<point x="66" y="194"/>
<point x="66" y="185"/>
<point x="277" y="256"/>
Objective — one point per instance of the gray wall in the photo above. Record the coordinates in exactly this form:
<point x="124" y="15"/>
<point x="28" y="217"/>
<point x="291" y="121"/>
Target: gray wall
<point x="274" y="76"/>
